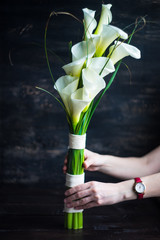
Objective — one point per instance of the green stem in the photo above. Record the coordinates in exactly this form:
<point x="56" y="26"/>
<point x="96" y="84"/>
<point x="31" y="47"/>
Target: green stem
<point x="69" y="220"/>
<point x="75" y="221"/>
<point x="80" y="220"/>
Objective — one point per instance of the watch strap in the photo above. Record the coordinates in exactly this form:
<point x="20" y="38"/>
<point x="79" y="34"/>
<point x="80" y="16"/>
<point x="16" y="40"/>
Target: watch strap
<point x="139" y="195"/>
<point x="137" y="180"/>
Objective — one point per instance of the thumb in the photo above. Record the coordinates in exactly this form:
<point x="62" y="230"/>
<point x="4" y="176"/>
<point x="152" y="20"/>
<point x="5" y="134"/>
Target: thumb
<point x="87" y="163"/>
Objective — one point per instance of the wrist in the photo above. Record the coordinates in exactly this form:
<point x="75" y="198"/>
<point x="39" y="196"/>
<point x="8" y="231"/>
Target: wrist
<point x="126" y="190"/>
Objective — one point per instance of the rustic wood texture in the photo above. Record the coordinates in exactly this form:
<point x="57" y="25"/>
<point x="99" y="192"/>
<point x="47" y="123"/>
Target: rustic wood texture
<point x="34" y="131"/>
<point x="37" y="213"/>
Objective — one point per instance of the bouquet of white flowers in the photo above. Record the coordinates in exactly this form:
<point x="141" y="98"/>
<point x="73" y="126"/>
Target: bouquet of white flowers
<point x="94" y="58"/>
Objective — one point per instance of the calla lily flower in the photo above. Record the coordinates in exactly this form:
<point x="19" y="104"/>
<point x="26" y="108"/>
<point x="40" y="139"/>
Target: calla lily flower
<point x="80" y="52"/>
<point x="84" y="49"/>
<point x="74" y="68"/>
<point x="65" y="86"/>
<point x="80" y="99"/>
<point x="92" y="81"/>
<point x="120" y="50"/>
<point x="88" y="64"/>
<point x="105" y="18"/>
<point x="101" y="64"/>
<point x="108" y="35"/>
<point x="95" y="39"/>
<point x="89" y="21"/>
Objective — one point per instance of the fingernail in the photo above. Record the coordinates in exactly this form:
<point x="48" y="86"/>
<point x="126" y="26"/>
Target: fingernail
<point x="69" y="205"/>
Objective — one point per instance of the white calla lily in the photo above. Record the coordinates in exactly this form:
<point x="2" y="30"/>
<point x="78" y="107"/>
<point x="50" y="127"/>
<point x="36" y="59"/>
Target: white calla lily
<point x="120" y="50"/>
<point x="105" y="18"/>
<point x="80" y="99"/>
<point x="89" y="21"/>
<point x="88" y="66"/>
<point x="65" y="86"/>
<point x="95" y="39"/>
<point x="84" y="49"/>
<point x="101" y="64"/>
<point x="74" y="68"/>
<point x="108" y="35"/>
<point x="92" y="81"/>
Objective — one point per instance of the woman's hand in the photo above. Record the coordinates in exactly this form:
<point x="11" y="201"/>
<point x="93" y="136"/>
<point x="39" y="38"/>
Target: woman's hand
<point x="94" y="194"/>
<point x="93" y="161"/>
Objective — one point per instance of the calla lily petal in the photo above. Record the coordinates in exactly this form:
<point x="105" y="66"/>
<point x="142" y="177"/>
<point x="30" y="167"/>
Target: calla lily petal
<point x="108" y="35"/>
<point x="79" y="101"/>
<point x="95" y="39"/>
<point x="83" y="49"/>
<point x="98" y="63"/>
<point x="92" y="81"/>
<point x="105" y="18"/>
<point x="122" y="50"/>
<point x="82" y="97"/>
<point x="66" y="85"/>
<point x="74" y="68"/>
<point x="89" y="21"/>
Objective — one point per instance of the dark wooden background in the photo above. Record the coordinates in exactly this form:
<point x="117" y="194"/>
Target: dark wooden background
<point x="33" y="128"/>
<point x="34" y="131"/>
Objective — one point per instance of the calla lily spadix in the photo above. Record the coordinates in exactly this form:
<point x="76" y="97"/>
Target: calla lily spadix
<point x="108" y="35"/>
<point x="89" y="21"/>
<point x="120" y="50"/>
<point x="105" y="18"/>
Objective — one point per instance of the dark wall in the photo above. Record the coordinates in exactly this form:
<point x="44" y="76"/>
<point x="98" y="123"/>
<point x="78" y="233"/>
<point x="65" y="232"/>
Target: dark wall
<point x="34" y="131"/>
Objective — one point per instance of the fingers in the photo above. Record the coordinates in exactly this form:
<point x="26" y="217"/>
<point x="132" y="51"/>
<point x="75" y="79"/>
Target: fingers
<point x="65" y="169"/>
<point x="82" y="196"/>
<point x="88" y="160"/>
<point x="77" y="189"/>
<point x="87" y="163"/>
<point x="80" y="202"/>
<point x="77" y="195"/>
<point x="88" y="205"/>
<point x="65" y="164"/>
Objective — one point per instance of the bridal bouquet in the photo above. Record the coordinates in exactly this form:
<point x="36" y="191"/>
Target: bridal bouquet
<point x="84" y="83"/>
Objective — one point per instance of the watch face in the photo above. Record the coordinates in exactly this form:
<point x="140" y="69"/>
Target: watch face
<point x="140" y="188"/>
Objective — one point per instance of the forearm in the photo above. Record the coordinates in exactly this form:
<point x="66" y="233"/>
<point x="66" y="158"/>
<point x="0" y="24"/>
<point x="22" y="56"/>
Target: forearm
<point x="123" y="168"/>
<point x="131" y="167"/>
<point x="152" y="183"/>
<point x="93" y="194"/>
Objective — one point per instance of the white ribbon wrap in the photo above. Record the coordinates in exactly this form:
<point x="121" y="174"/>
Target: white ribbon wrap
<point x="77" y="141"/>
<point x="72" y="181"/>
<point x="71" y="210"/>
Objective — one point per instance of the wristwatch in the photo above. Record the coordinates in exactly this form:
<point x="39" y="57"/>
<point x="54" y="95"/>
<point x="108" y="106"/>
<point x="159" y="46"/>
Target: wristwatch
<point x="139" y="188"/>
